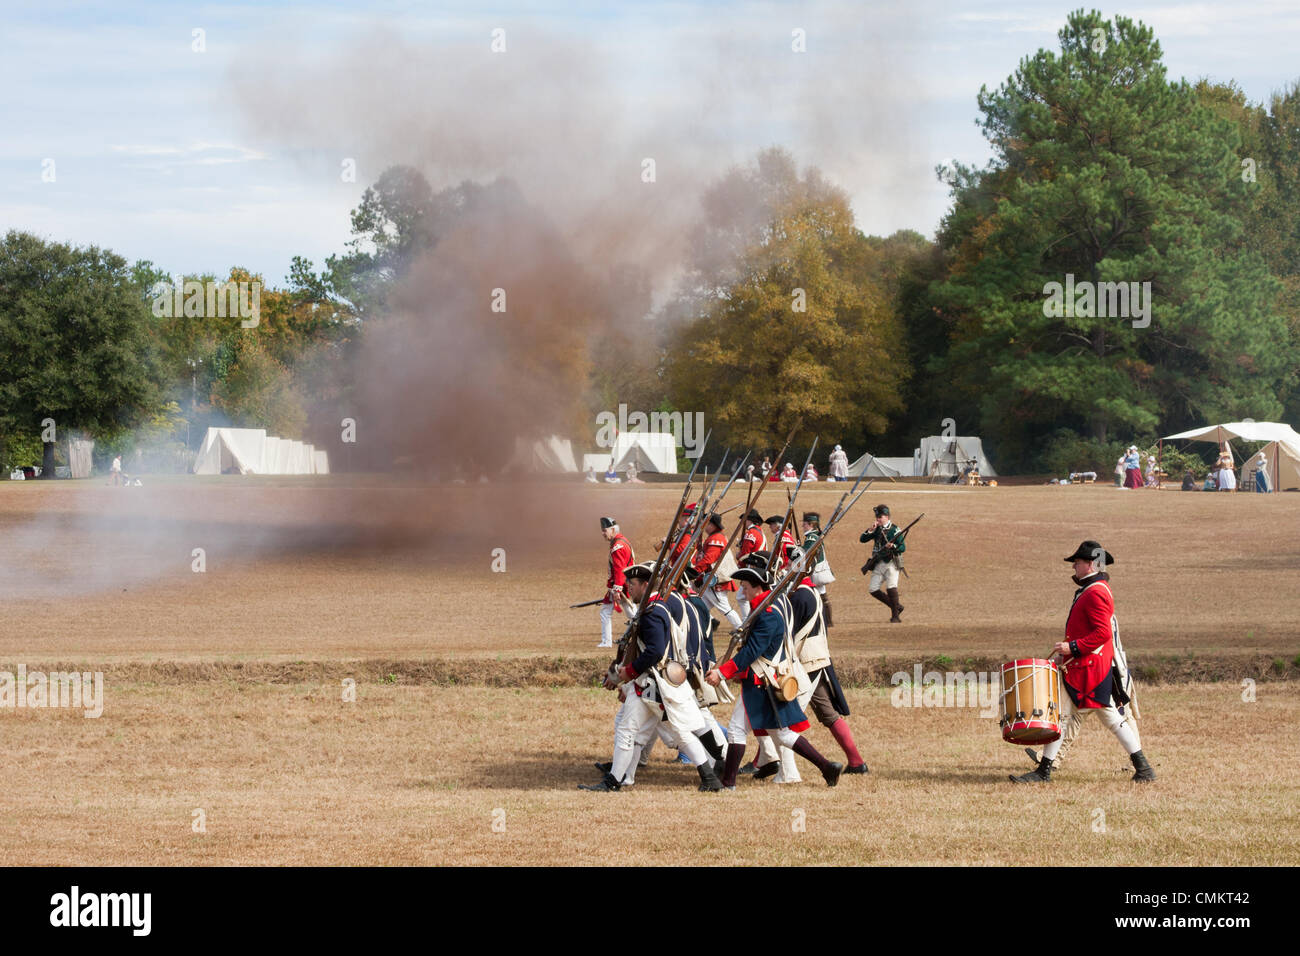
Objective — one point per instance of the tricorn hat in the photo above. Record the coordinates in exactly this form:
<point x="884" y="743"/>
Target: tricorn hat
<point x="752" y="576"/>
<point x="775" y="519"/>
<point x="812" y="517"/>
<point x="607" y="523"/>
<point x="881" y="510"/>
<point x="715" y="519"/>
<point x="754" y="516"/>
<point x="1090" y="551"/>
<point x="640" y="572"/>
<point x="756" y="559"/>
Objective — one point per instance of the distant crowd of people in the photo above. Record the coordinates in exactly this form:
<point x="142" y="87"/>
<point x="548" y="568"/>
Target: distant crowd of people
<point x="838" y="470"/>
<point x="1221" y="477"/>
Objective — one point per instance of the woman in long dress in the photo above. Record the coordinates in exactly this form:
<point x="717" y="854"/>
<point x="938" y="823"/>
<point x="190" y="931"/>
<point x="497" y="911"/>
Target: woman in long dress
<point x="1132" y="468"/>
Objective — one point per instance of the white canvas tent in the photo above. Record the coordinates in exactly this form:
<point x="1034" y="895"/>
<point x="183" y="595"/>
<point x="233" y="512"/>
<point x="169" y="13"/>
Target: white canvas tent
<point x="649" y="451"/>
<point x="940" y="457"/>
<point x="554" y="455"/>
<point x="1282" y="451"/>
<point x="79" y="464"/>
<point x="890" y="468"/>
<point x="250" y="451"/>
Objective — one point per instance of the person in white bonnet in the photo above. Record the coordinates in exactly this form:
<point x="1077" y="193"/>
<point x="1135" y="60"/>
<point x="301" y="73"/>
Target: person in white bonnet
<point x="839" y="465"/>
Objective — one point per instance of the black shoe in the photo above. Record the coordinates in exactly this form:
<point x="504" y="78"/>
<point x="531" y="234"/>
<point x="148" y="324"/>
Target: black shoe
<point x="1145" y="772"/>
<point x="748" y="768"/>
<point x="709" y="782"/>
<point x="767" y="770"/>
<point x="607" y="785"/>
<point x="860" y="768"/>
<point x="604" y="767"/>
<point x="1042" y="774"/>
<point x="832" y="773"/>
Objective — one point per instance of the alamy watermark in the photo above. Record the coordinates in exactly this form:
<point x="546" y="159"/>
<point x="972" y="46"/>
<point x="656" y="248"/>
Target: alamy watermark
<point x="71" y="690"/>
<point x="1113" y="300"/>
<point x="982" y="689"/>
<point x="209" y="300"/>
<point x="687" y="428"/>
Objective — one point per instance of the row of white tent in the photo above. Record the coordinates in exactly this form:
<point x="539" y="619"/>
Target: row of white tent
<point x="251" y="451"/>
<point x="938" y="456"/>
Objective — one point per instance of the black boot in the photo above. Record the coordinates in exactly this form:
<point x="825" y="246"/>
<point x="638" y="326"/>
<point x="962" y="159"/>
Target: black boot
<point x="767" y="770"/>
<point x="607" y="785"/>
<point x="1043" y="774"/>
<point x="709" y="782"/>
<point x="735" y="754"/>
<point x="830" y="769"/>
<point x="1144" y="769"/>
<point x="895" y="606"/>
<point x="604" y="767"/>
<point x="880" y="596"/>
<point x="710" y="745"/>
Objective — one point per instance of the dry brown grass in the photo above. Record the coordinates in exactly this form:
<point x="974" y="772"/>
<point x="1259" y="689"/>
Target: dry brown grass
<point x="393" y="574"/>
<point x="413" y="775"/>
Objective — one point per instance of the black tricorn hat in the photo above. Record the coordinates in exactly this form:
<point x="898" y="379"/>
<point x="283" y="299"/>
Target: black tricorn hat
<point x="1091" y="551"/>
<point x="752" y="576"/>
<point x="812" y="517"/>
<point x="881" y="510"/>
<point x="775" y="519"/>
<point x="715" y="519"/>
<point x="756" y="559"/>
<point x="754" y="516"/>
<point x="639" y="572"/>
<point x="607" y="523"/>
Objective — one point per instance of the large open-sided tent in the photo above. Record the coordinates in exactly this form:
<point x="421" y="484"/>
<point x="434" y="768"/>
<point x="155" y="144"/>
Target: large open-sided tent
<point x="1282" y="450"/>
<point x="251" y="451"/>
<point x="940" y="457"/>
<point x="649" y="451"/>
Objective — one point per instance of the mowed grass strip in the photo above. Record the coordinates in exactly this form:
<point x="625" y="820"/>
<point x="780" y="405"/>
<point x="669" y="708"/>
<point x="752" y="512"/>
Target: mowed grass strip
<point x="407" y="774"/>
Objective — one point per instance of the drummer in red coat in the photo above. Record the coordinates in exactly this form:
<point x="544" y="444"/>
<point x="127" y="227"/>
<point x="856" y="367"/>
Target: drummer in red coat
<point x="1088" y="650"/>
<point x="620" y="559"/>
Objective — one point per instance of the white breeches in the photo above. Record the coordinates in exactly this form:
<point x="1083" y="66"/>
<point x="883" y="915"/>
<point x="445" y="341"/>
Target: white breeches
<point x="1121" y="725"/>
<point x="716" y="599"/>
<point x="607" y="621"/>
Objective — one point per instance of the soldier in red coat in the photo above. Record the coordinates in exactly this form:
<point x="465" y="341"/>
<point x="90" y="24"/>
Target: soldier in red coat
<point x="751" y="542"/>
<point x="780" y="553"/>
<point x="1088" y="650"/>
<point x="620" y="559"/>
<point x="706" y="559"/>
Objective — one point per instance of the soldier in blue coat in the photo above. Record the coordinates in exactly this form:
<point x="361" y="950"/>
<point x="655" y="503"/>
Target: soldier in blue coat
<point x="759" y="708"/>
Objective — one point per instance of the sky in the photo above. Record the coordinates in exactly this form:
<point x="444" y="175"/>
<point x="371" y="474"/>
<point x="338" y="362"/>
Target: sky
<point x="206" y="136"/>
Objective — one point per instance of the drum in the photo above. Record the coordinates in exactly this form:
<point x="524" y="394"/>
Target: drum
<point x="1031" y="701"/>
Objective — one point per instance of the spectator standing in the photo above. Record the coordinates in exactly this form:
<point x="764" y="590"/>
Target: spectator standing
<point x="1132" y="468"/>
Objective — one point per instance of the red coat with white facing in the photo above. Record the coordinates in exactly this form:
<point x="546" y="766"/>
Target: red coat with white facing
<point x="620" y="559"/>
<point x="752" y="540"/>
<point x="1089" y="630"/>
<point x="709" y="554"/>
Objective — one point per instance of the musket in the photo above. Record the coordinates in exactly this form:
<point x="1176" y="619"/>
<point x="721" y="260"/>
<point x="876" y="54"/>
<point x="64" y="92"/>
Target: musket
<point x="789" y="512"/>
<point x="587" y="603"/>
<point x="625" y="641"/>
<point x="901" y="536"/>
<point x="750" y="504"/>
<point x="794" y="572"/>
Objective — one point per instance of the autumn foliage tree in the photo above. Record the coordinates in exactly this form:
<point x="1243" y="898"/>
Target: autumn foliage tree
<point x="779" y="320"/>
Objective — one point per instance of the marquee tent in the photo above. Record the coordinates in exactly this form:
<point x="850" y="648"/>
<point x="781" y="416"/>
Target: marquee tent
<point x="890" y="468"/>
<point x="250" y="451"/>
<point x="1282" y="450"/>
<point x="552" y="454"/>
<point x="649" y="451"/>
<point x="940" y="457"/>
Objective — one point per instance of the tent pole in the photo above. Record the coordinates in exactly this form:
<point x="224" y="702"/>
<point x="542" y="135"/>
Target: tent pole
<point x="1160" y="454"/>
